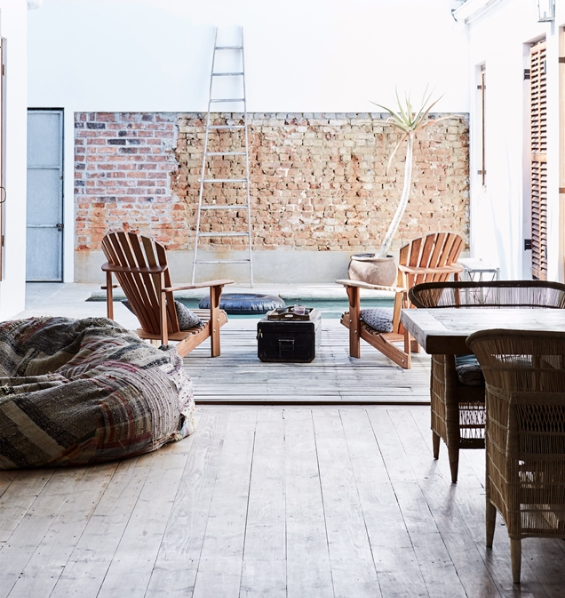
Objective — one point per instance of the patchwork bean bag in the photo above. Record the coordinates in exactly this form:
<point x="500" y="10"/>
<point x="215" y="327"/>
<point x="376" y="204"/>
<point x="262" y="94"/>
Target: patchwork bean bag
<point x="86" y="391"/>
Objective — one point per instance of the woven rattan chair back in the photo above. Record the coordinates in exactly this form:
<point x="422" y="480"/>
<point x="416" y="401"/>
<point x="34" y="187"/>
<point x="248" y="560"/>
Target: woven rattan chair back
<point x="457" y="410"/>
<point x="497" y="294"/>
<point x="525" y="439"/>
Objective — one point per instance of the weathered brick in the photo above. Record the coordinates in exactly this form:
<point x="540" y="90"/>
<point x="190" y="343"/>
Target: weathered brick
<point x="318" y="181"/>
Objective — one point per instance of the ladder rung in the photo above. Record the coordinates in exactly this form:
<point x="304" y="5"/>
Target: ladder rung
<point x="243" y="261"/>
<point x="227" y="74"/>
<point x="224" y="181"/>
<point x="228" y="48"/>
<point x="222" y="234"/>
<point x="217" y="101"/>
<point x="226" y="127"/>
<point x="225" y="153"/>
<point x="225" y="207"/>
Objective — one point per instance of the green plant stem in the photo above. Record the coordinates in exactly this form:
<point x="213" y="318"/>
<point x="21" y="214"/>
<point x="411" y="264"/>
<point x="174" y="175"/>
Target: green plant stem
<point x="383" y="251"/>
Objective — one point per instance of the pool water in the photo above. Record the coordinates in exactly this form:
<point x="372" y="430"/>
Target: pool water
<point x="329" y="308"/>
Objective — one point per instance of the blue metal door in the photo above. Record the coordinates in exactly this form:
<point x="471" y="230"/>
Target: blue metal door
<point x="44" y="240"/>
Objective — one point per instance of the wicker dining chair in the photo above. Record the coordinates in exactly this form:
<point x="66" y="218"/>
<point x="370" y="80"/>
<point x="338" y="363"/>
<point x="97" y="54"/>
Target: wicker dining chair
<point x="525" y="433"/>
<point x="458" y="405"/>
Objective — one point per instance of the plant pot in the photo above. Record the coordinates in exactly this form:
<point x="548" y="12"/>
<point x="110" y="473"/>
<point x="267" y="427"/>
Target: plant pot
<point x="366" y="267"/>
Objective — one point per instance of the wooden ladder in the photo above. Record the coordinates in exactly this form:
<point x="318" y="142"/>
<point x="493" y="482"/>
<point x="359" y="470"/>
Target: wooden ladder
<point x="207" y="178"/>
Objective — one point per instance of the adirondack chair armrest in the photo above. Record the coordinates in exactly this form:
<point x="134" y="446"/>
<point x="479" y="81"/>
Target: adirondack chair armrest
<point x="453" y="269"/>
<point x="198" y="285"/>
<point x="366" y="285"/>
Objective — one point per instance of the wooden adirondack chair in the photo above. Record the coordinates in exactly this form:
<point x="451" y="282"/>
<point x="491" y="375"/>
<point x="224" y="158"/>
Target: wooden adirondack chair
<point x="140" y="266"/>
<point x="426" y="259"/>
<point x="432" y="258"/>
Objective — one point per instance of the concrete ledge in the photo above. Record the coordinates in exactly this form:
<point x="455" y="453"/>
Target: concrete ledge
<point x="269" y="267"/>
<point x="326" y="291"/>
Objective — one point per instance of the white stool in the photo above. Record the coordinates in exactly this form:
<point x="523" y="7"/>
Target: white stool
<point x="475" y="269"/>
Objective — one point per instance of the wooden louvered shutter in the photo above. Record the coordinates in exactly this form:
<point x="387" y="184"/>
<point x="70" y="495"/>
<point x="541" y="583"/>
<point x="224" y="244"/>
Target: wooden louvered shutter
<point x="2" y="152"/>
<point x="2" y="149"/>
<point x="538" y="159"/>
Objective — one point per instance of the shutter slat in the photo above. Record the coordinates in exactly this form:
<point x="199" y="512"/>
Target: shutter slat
<point x="538" y="159"/>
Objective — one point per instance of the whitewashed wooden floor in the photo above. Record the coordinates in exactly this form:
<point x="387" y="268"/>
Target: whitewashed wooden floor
<point x="275" y="500"/>
<point x="238" y="376"/>
<point x="268" y="502"/>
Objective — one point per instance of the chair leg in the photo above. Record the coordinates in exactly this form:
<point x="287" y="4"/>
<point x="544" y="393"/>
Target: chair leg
<point x="354" y="322"/>
<point x="490" y="519"/>
<point x="436" y="438"/>
<point x="215" y="295"/>
<point x="453" y="454"/>
<point x="109" y="297"/>
<point x="516" y="559"/>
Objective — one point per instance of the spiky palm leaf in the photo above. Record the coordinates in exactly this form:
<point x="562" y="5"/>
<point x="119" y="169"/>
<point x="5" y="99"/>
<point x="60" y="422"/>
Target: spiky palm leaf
<point x="410" y="122"/>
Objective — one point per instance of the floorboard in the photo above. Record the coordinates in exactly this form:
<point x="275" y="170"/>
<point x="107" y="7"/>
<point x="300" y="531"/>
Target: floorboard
<point x="273" y="502"/>
<point x="307" y="558"/>
<point x="238" y="376"/>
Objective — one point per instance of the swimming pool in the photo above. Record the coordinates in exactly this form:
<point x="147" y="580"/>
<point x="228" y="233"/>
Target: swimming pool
<point x="329" y="308"/>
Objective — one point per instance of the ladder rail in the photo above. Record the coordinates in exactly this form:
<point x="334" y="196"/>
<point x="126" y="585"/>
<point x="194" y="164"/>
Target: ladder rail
<point x="247" y="160"/>
<point x="203" y="171"/>
<point x="204" y="179"/>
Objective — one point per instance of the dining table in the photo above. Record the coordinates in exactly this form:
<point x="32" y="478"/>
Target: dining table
<point x="445" y="330"/>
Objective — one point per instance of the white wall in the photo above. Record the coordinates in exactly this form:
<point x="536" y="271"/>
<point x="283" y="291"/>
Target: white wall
<point x="13" y="27"/>
<point x="301" y="55"/>
<point x="500" y="211"/>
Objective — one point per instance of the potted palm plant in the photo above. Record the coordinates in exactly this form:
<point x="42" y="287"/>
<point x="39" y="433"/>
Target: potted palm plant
<point x="380" y="268"/>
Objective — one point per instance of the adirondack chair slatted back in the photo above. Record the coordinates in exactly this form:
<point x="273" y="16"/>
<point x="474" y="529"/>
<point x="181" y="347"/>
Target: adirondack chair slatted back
<point x="437" y="250"/>
<point x="136" y="254"/>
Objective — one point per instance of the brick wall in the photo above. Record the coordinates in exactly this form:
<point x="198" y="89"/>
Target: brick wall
<point x="318" y="181"/>
<point x="122" y="166"/>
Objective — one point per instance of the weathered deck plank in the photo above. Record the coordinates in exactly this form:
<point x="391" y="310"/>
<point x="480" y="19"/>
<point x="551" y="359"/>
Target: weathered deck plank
<point x="238" y="376"/>
<point x="269" y="501"/>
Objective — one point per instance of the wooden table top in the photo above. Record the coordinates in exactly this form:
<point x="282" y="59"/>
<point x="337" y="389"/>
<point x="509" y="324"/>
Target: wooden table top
<point x="445" y="330"/>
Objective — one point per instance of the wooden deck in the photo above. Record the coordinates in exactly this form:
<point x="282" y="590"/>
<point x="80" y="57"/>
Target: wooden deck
<point x="273" y="501"/>
<point x="238" y="376"/>
<point x="268" y="502"/>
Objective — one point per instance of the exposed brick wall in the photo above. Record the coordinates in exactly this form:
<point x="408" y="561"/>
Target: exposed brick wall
<point x="318" y="181"/>
<point x="122" y="166"/>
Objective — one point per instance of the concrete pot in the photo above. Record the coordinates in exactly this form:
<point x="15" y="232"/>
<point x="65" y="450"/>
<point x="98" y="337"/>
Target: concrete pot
<point x="366" y="267"/>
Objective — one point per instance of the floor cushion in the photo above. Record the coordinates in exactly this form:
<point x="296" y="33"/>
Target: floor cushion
<point x="86" y="391"/>
<point x="245" y="303"/>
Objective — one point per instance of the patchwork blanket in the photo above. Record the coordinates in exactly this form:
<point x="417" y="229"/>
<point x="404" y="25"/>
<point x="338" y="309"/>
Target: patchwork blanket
<point x="85" y="391"/>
